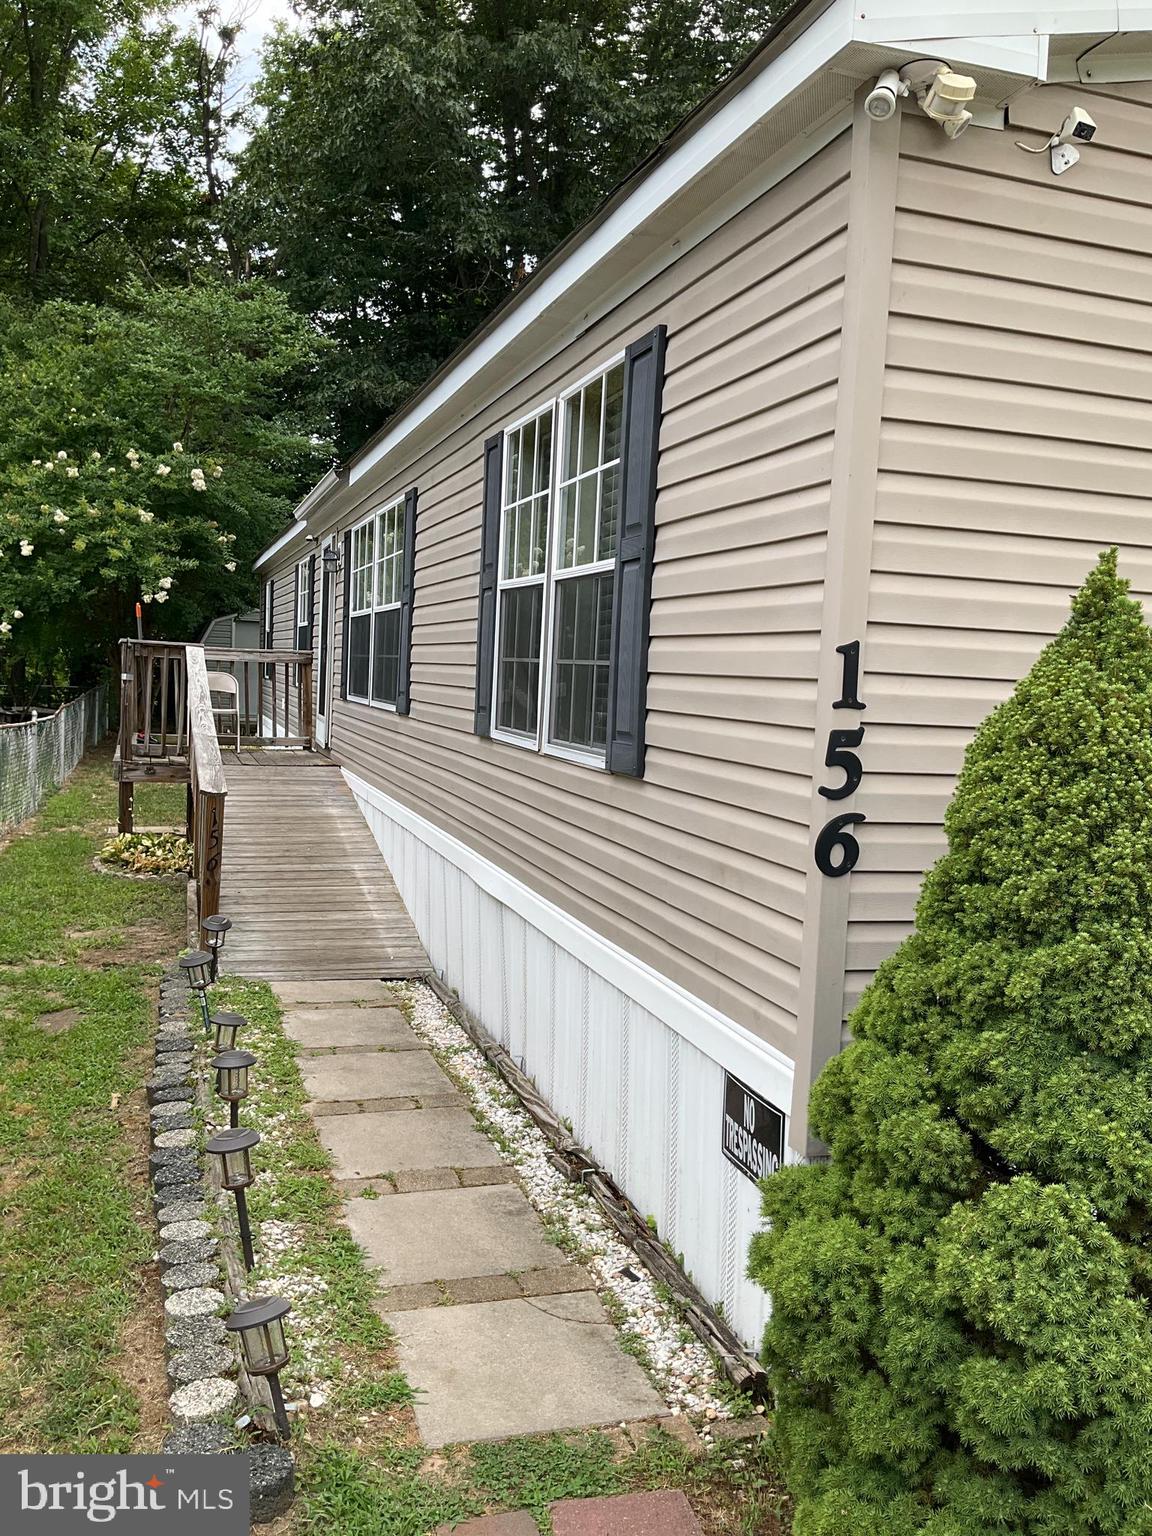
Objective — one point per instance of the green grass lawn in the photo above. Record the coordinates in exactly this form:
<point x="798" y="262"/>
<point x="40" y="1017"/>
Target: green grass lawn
<point x="81" y="1338"/>
<point x="80" y="953"/>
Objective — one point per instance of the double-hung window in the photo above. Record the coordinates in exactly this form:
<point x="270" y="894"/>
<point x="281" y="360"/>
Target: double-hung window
<point x="303" y="629"/>
<point x="559" y="512"/>
<point x="374" y="619"/>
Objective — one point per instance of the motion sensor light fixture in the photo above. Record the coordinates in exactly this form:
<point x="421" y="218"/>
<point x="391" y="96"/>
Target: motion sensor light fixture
<point x="1077" y="128"/>
<point x="940" y="92"/>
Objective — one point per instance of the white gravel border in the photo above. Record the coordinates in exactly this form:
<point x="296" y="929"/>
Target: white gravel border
<point x="679" y="1364"/>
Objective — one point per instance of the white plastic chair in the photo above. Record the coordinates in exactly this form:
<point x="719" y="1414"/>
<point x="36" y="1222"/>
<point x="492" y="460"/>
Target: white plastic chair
<point x="225" y="683"/>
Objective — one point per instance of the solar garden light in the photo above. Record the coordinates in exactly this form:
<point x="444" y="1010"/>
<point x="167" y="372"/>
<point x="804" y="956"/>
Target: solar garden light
<point x="217" y="930"/>
<point x="260" y="1324"/>
<point x="197" y="969"/>
<point x="232" y="1148"/>
<point x="231" y="1069"/>
<point x="228" y="1026"/>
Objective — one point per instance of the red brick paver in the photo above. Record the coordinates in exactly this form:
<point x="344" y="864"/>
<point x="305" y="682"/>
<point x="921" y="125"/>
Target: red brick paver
<point x="519" y="1524"/>
<point x="633" y="1514"/>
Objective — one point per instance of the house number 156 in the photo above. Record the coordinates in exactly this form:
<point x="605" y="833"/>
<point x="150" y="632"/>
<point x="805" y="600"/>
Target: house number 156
<point x="836" y="848"/>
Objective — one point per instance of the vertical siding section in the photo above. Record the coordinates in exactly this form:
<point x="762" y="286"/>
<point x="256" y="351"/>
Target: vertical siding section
<point x="699" y="868"/>
<point x="1016" y="444"/>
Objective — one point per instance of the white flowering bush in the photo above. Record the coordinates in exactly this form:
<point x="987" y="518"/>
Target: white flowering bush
<point x="99" y="533"/>
<point x="148" y="451"/>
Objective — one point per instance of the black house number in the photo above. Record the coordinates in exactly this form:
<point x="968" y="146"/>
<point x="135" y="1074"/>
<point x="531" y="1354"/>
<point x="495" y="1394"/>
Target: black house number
<point x="837" y="850"/>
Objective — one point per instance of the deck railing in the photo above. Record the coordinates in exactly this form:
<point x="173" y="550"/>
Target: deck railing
<point x="283" y="695"/>
<point x="171" y="731"/>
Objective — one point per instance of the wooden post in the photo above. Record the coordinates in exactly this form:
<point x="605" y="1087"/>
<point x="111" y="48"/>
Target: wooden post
<point x="126" y="737"/>
<point x="208" y="789"/>
<point x="212" y="822"/>
<point x="124" y="795"/>
<point x="307" y="716"/>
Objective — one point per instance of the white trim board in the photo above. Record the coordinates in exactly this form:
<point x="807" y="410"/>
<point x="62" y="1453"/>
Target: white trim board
<point x="757" y="1063"/>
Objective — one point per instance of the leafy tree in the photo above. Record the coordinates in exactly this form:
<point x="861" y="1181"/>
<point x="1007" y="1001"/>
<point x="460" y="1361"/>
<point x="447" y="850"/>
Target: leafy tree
<point x="112" y="146"/>
<point x="416" y="158"/>
<point x="98" y="504"/>
<point x="961" y="1340"/>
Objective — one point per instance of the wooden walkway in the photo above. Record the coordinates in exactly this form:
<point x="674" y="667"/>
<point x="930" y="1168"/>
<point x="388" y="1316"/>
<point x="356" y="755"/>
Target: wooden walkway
<point x="303" y="879"/>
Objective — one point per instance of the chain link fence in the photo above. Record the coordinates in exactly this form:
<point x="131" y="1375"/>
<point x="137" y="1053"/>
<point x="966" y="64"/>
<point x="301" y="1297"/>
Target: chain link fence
<point x="38" y="755"/>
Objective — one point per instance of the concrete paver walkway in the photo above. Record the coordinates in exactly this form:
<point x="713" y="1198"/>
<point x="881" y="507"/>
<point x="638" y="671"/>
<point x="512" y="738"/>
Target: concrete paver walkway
<point x="498" y="1332"/>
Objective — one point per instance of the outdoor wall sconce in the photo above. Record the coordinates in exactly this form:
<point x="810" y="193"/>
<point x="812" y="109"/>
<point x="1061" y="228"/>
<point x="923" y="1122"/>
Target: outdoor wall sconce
<point x="232" y="1147"/>
<point x="227" y="1026"/>
<point x="197" y="970"/>
<point x="217" y="929"/>
<point x="260" y="1324"/>
<point x="331" y="560"/>
<point x="231" y="1069"/>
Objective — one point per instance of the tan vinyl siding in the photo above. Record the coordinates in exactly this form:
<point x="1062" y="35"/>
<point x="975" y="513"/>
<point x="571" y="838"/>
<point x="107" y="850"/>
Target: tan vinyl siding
<point x="1016" y="443"/>
<point x="698" y="869"/>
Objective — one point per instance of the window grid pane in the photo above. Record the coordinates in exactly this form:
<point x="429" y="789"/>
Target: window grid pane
<point x="518" y="659"/>
<point x="374" y="621"/>
<point x="581" y="661"/>
<point x="527" y="483"/>
<point x="589" y="492"/>
<point x="533" y="584"/>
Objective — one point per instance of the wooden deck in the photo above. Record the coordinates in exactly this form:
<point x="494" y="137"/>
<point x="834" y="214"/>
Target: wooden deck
<point x="303" y="879"/>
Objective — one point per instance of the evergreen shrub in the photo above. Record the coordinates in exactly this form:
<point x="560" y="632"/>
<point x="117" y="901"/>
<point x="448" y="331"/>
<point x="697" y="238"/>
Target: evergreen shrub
<point x="961" y="1340"/>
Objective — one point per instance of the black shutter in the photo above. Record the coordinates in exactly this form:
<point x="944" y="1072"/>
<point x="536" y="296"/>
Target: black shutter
<point x="489" y="566"/>
<point x="346" y="571"/>
<point x="311" y="601"/>
<point x="296" y="607"/>
<point x="407" y="593"/>
<point x="628" y="678"/>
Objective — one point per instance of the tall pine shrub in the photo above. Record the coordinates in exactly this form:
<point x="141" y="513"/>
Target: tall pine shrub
<point x="961" y="1338"/>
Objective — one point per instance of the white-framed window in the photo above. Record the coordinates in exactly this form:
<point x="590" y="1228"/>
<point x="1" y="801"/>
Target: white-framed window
<point x="303" y="606"/>
<point x="559" y="514"/>
<point x="374" y="607"/>
<point x="269" y="637"/>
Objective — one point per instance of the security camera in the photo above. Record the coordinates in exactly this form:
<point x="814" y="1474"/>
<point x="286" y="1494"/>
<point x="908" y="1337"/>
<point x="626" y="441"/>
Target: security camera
<point x="1077" y="128"/>
<point x="880" y="102"/>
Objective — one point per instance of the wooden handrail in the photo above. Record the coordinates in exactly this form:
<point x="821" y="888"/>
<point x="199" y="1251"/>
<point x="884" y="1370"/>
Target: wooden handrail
<point x="169" y="732"/>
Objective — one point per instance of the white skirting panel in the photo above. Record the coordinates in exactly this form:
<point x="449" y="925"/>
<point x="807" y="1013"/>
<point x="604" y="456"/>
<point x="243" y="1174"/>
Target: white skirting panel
<point x="634" y="1062"/>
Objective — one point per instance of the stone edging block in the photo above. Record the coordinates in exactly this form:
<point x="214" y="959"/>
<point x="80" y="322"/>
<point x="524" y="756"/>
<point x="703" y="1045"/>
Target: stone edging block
<point x="201" y="1353"/>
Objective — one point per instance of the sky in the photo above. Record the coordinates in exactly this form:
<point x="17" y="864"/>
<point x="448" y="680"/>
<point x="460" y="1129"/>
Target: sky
<point x="259" y="17"/>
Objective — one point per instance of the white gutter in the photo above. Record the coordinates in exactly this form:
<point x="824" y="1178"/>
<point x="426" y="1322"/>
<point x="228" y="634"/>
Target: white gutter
<point x="296" y="531"/>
